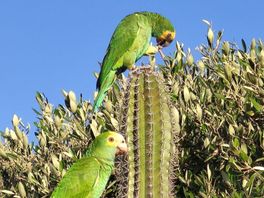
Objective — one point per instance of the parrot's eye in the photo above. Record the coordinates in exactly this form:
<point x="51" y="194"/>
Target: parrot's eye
<point x="111" y="139"/>
<point x="123" y="141"/>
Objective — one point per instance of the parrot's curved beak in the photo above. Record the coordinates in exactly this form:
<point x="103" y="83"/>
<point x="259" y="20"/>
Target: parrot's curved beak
<point x="121" y="148"/>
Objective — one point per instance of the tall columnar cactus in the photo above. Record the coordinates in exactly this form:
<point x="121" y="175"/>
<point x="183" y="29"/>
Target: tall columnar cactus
<point x="148" y="122"/>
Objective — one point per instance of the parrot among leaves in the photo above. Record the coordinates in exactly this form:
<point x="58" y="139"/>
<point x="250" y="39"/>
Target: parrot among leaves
<point x="129" y="42"/>
<point x="88" y="176"/>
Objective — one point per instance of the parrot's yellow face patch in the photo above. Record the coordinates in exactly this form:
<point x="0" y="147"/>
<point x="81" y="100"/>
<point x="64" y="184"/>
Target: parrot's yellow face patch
<point x="166" y="38"/>
<point x="117" y="140"/>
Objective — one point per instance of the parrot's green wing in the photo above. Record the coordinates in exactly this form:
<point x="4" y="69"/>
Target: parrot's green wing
<point x="129" y="41"/>
<point x="86" y="178"/>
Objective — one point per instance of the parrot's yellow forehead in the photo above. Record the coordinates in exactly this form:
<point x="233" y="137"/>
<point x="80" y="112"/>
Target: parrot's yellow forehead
<point x="168" y="36"/>
<point x="165" y="38"/>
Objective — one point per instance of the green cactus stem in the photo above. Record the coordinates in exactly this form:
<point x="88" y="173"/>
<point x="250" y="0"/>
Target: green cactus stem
<point x="147" y="121"/>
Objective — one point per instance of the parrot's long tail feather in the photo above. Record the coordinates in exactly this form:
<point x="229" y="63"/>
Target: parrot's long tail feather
<point x="99" y="100"/>
<point x="106" y="85"/>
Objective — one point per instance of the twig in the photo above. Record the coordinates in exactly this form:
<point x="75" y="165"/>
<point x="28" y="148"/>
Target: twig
<point x="163" y="58"/>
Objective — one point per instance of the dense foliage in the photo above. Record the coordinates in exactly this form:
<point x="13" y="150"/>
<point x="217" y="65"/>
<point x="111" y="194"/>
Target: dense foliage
<point x="219" y="112"/>
<point x="220" y="107"/>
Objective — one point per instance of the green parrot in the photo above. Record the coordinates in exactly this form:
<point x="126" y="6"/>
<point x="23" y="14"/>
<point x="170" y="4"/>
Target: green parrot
<point x="129" y="42"/>
<point x="88" y="176"/>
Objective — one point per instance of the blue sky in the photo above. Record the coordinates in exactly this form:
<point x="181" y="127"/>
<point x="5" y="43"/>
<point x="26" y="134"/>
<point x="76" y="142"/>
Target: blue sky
<point x="49" y="45"/>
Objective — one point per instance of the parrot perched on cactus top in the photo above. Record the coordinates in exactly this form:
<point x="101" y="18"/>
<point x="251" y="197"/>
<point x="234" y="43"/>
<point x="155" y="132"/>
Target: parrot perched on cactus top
<point x="88" y="176"/>
<point x="129" y="42"/>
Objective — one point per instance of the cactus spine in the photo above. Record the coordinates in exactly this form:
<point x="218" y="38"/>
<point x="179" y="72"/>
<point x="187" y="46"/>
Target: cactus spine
<point x="147" y="120"/>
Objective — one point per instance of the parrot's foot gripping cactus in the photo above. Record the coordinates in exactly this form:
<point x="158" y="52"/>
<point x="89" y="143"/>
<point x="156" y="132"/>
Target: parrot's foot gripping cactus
<point x="148" y="123"/>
